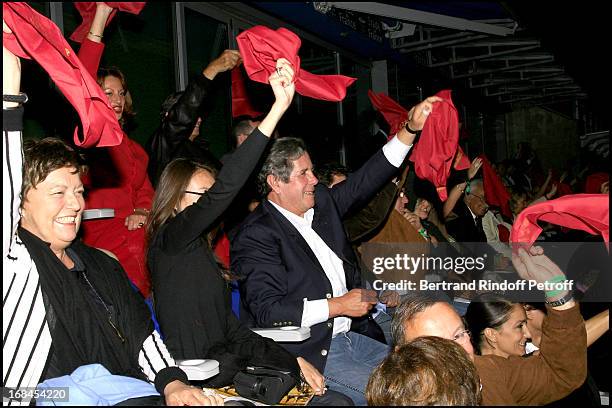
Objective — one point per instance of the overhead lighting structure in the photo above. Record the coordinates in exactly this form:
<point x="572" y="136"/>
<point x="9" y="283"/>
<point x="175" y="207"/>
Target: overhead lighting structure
<point x="415" y="16"/>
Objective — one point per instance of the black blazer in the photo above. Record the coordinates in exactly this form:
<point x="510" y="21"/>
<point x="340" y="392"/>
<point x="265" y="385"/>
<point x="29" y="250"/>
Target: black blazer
<point x="279" y="269"/>
<point x="463" y="228"/>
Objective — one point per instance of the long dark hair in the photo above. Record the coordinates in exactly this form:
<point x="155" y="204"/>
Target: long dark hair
<point x="487" y="310"/>
<point x="171" y="187"/>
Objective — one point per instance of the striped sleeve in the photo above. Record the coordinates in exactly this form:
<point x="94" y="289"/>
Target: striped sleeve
<point x="12" y="164"/>
<point x="154" y="356"/>
<point x="25" y="330"/>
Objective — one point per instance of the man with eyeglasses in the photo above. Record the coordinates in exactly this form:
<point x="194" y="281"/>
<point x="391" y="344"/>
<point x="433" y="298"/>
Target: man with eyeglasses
<point x="467" y="226"/>
<point x="533" y="380"/>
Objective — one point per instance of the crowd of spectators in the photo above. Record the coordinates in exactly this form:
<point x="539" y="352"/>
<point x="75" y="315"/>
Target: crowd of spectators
<point x="189" y="228"/>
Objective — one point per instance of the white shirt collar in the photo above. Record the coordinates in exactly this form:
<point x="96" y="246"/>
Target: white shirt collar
<point x="470" y="210"/>
<point x="294" y="218"/>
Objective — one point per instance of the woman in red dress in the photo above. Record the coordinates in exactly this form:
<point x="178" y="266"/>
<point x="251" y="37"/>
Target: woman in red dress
<point x="117" y="177"/>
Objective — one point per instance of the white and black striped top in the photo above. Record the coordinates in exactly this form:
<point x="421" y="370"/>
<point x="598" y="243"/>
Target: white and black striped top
<point x="25" y="331"/>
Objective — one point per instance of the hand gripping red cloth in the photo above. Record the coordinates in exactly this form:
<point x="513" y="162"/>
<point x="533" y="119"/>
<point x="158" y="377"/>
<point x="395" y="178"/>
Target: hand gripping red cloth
<point x="433" y="154"/>
<point x="36" y="37"/>
<point x="88" y="11"/>
<point x="241" y="105"/>
<point x="393" y="112"/>
<point x="261" y="46"/>
<point x="587" y="212"/>
<point x="494" y="190"/>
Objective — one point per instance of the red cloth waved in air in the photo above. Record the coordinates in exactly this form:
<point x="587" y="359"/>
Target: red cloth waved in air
<point x="593" y="183"/>
<point x="586" y="212"/>
<point x="241" y="105"/>
<point x="36" y="37"/>
<point x="563" y="189"/>
<point x="503" y="232"/>
<point x="461" y="161"/>
<point x="494" y="190"/>
<point x="433" y="154"/>
<point x="88" y="11"/>
<point x="261" y="46"/>
<point x="393" y="112"/>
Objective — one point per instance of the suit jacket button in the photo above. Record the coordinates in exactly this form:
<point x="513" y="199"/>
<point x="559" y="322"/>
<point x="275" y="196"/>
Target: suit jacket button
<point x="330" y="325"/>
<point x="328" y="295"/>
<point x="274" y="324"/>
<point x="323" y="352"/>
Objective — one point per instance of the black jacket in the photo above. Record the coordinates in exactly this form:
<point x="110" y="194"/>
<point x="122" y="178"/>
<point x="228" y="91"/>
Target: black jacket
<point x="171" y="139"/>
<point x="191" y="297"/>
<point x="464" y="228"/>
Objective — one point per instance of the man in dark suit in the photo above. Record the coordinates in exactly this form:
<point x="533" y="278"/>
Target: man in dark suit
<point x="297" y="265"/>
<point x="467" y="226"/>
<point x="467" y="229"/>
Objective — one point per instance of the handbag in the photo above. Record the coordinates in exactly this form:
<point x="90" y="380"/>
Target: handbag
<point x="263" y="384"/>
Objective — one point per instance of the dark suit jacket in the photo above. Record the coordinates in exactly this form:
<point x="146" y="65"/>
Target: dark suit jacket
<point x="471" y="238"/>
<point x="279" y="268"/>
<point x="463" y="228"/>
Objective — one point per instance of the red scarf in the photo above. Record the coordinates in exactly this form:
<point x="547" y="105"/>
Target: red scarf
<point x="586" y="212"/>
<point x="88" y="11"/>
<point x="433" y="154"/>
<point x="36" y="37"/>
<point x="261" y="46"/>
<point x="241" y="105"/>
<point x="393" y="112"/>
<point x="461" y="161"/>
<point x="593" y="183"/>
<point x="494" y="190"/>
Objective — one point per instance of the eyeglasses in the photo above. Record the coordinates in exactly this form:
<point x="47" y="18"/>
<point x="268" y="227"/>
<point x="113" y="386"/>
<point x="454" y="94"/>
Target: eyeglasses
<point x="196" y="192"/>
<point x="462" y="336"/>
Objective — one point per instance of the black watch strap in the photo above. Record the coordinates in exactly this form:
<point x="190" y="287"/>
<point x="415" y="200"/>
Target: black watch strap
<point x="414" y="132"/>
<point x="562" y="301"/>
<point x="20" y="98"/>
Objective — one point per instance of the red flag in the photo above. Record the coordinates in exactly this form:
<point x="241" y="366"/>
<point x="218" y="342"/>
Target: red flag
<point x="433" y="154"/>
<point x="586" y="212"/>
<point x="241" y="105"/>
<point x="35" y="36"/>
<point x="593" y="183"/>
<point x="563" y="189"/>
<point x="393" y="112"/>
<point x="88" y="11"/>
<point x="461" y="162"/>
<point x="494" y="189"/>
<point x="503" y="232"/>
<point x="261" y="46"/>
